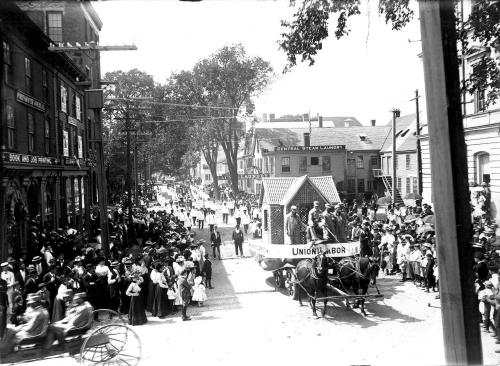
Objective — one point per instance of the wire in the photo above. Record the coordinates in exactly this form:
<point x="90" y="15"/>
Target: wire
<point x="145" y="101"/>
<point x="186" y="120"/>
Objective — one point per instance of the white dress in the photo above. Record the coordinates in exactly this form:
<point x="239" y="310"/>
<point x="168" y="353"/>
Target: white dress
<point x="199" y="293"/>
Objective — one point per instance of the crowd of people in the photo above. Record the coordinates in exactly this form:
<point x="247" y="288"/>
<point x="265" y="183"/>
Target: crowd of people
<point x="154" y="267"/>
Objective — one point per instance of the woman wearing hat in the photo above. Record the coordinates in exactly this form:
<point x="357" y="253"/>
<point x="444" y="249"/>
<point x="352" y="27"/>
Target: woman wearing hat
<point x="137" y="313"/>
<point x="114" y="282"/>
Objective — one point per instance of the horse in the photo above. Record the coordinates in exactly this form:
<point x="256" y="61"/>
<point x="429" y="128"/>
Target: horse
<point x="357" y="275"/>
<point x="312" y="276"/>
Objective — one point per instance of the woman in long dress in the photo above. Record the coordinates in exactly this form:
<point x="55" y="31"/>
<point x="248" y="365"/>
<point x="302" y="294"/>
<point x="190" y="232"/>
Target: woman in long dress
<point x="137" y="313"/>
<point x="161" y="304"/>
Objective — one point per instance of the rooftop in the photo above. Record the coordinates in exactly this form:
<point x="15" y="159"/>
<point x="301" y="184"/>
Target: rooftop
<point x="282" y="190"/>
<point x="354" y="138"/>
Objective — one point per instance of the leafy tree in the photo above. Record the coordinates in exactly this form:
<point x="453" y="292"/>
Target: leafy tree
<point x="310" y="27"/>
<point x="232" y="78"/>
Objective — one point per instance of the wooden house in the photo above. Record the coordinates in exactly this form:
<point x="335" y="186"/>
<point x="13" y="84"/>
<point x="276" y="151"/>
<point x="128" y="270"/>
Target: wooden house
<point x="278" y="194"/>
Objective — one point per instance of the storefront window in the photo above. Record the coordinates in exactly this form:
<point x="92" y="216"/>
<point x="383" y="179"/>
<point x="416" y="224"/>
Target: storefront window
<point x="69" y="201"/>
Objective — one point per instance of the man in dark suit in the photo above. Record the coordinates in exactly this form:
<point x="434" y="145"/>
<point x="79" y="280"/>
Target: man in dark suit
<point x="216" y="240"/>
<point x="238" y="239"/>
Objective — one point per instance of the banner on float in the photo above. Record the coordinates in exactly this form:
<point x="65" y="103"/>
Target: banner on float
<point x="303" y="250"/>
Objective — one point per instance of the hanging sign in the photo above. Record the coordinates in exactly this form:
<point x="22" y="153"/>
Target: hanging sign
<point x="30" y="101"/>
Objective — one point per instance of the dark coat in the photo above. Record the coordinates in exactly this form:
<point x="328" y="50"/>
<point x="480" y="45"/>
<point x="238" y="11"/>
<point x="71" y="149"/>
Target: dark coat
<point x="238" y="238"/>
<point x="215" y="238"/>
<point x="207" y="268"/>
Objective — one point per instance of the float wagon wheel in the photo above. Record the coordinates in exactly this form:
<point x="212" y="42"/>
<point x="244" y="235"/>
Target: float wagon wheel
<point x="111" y="344"/>
<point x="290" y="284"/>
<point x="279" y="281"/>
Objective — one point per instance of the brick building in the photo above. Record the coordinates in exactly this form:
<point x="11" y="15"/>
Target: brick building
<point x="45" y="126"/>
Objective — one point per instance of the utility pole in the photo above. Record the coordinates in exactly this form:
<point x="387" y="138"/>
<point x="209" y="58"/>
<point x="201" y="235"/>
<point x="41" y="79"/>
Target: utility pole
<point x="136" y="196"/>
<point x="97" y="143"/>
<point x="419" y="149"/>
<point x="128" y="184"/>
<point x="460" y="318"/>
<point x="395" y="114"/>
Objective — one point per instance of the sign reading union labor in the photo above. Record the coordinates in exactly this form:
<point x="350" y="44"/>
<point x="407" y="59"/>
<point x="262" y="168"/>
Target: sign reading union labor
<point x="309" y="148"/>
<point x="304" y="251"/>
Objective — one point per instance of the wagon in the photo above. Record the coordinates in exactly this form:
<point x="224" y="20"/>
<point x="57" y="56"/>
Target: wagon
<point x="107" y="340"/>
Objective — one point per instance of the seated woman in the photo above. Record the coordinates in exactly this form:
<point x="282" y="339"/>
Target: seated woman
<point x="78" y="317"/>
<point x="33" y="325"/>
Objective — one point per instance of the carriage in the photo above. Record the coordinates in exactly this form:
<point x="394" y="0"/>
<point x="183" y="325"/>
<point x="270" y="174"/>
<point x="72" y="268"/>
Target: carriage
<point x="277" y="196"/>
<point x="106" y="340"/>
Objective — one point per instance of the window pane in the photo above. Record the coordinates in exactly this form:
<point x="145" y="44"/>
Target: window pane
<point x="326" y="163"/>
<point x="31" y="123"/>
<point x="285" y="164"/>
<point x="27" y="66"/>
<point x="314" y="160"/>
<point x="10" y="116"/>
<point x="361" y="185"/>
<point x="408" y="185"/>
<point x="360" y="162"/>
<point x="303" y="164"/>
<point x="6" y="53"/>
<point x="415" y="185"/>
<point x="64" y="99"/>
<point x="408" y="161"/>
<point x="54" y="26"/>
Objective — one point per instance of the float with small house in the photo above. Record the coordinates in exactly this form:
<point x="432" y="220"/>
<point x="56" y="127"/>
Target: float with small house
<point x="273" y="253"/>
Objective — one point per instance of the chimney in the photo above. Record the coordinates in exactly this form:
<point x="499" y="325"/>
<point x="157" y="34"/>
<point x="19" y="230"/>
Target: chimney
<point x="320" y="122"/>
<point x="373" y="121"/>
<point x="307" y="139"/>
<point x="264" y="117"/>
<point x="271" y="117"/>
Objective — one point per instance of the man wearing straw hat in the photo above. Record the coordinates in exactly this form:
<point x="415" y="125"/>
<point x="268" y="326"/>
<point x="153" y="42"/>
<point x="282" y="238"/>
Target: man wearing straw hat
<point x="79" y="316"/>
<point x="34" y="324"/>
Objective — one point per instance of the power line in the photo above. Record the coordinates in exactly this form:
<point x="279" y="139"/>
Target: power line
<point x="149" y="101"/>
<point x="186" y="120"/>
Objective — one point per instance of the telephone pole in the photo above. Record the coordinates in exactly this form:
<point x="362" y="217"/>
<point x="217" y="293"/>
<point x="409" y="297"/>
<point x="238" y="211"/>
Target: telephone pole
<point x="395" y="114"/>
<point x="419" y="149"/>
<point x="97" y="143"/>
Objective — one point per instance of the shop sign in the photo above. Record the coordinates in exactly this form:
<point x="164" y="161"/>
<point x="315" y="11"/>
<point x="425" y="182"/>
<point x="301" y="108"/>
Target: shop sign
<point x="30" y="101"/>
<point x="72" y="121"/>
<point x="254" y="175"/>
<point x="309" y="148"/>
<point x="28" y="159"/>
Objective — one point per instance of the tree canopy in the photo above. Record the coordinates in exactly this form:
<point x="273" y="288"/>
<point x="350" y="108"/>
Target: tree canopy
<point x="310" y="27"/>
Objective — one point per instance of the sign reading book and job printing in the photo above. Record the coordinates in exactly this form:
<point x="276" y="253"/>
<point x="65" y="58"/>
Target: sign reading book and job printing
<point x="304" y="250"/>
<point x="309" y="148"/>
<point x="28" y="159"/>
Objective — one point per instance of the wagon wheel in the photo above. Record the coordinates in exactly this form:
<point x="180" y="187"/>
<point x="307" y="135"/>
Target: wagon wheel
<point x="111" y="344"/>
<point x="105" y="317"/>
<point x="278" y="279"/>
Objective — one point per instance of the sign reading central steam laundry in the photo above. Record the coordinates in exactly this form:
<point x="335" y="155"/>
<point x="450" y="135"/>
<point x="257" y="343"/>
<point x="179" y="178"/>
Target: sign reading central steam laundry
<point x="304" y="251"/>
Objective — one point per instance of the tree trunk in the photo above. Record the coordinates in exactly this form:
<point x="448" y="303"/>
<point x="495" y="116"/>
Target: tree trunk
<point x="213" y="171"/>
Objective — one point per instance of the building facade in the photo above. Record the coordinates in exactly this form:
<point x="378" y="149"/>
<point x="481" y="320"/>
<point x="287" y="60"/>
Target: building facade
<point x="406" y="158"/>
<point x="349" y="155"/>
<point x="45" y="132"/>
<point x="481" y="124"/>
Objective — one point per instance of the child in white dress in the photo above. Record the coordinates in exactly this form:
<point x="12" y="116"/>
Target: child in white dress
<point x="199" y="293"/>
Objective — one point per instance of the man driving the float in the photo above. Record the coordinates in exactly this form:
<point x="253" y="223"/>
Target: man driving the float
<point x="34" y="324"/>
<point x="78" y="316"/>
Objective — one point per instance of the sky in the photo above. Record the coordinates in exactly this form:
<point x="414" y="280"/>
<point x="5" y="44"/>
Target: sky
<point x="365" y="75"/>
